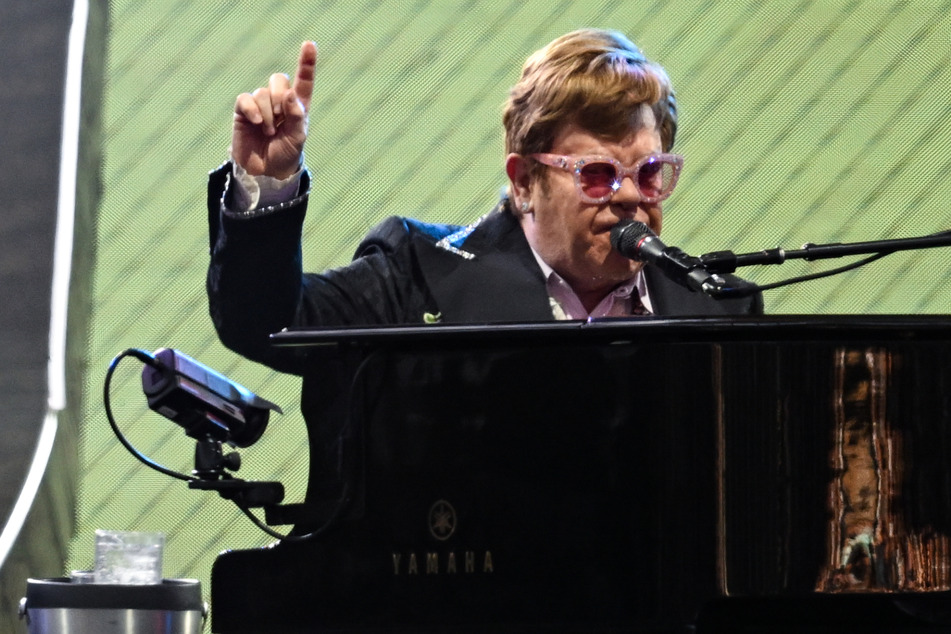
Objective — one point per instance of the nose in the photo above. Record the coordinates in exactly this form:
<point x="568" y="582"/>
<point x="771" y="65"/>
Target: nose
<point x="627" y="193"/>
<point x="628" y="202"/>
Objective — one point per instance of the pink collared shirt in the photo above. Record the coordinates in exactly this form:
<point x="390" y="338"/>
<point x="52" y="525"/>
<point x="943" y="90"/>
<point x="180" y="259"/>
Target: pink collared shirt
<point x="565" y="303"/>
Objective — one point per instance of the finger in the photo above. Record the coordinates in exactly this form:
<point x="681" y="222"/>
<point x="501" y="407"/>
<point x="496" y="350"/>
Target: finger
<point x="304" y="79"/>
<point x="295" y="117"/>
<point x="245" y="107"/>
<point x="279" y="84"/>
<point x="262" y="97"/>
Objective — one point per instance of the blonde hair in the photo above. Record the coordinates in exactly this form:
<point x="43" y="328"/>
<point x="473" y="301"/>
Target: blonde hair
<point x="593" y="78"/>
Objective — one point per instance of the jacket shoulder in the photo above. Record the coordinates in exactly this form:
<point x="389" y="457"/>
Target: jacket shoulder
<point x="395" y="231"/>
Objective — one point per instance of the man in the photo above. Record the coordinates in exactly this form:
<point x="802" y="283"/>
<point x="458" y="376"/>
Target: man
<point x="588" y="128"/>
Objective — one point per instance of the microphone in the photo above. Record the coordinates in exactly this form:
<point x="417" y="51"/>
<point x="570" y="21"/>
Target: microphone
<point x="636" y="241"/>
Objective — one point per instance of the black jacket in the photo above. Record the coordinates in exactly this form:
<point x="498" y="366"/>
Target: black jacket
<point x="402" y="272"/>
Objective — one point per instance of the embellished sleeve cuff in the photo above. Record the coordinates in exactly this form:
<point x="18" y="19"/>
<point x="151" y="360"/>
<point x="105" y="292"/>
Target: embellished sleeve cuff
<point x="252" y="195"/>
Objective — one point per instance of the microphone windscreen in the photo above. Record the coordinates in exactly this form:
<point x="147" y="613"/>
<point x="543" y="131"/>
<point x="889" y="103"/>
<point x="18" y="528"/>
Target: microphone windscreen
<point x="626" y="234"/>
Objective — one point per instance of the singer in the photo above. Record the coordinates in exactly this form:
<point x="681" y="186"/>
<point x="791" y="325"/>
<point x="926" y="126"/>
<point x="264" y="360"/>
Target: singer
<point x="589" y="131"/>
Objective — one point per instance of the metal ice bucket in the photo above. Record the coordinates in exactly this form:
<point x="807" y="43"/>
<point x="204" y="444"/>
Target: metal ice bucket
<point x="57" y="606"/>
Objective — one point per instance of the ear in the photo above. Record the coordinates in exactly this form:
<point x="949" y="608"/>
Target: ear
<point x="517" y="169"/>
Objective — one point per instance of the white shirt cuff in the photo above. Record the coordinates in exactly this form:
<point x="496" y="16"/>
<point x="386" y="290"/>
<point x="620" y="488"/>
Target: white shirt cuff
<point x="256" y="192"/>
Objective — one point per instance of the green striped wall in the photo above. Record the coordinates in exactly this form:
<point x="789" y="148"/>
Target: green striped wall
<point x="801" y="121"/>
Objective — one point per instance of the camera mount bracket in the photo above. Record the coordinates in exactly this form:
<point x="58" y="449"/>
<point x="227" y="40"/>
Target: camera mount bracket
<point x="211" y="466"/>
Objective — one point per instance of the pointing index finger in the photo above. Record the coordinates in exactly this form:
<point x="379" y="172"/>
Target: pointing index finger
<point x="304" y="79"/>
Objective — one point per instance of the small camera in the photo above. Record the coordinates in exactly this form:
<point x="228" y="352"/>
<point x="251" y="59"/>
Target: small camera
<point x="202" y="401"/>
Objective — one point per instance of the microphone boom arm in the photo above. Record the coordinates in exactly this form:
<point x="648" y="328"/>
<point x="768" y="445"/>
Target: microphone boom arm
<point x="727" y="261"/>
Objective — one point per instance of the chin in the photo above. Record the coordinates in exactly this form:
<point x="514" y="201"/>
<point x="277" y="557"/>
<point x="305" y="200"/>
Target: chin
<point x="616" y="265"/>
<point x="617" y="269"/>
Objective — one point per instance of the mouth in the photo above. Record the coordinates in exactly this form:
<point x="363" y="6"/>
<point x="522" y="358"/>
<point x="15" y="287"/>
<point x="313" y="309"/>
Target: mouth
<point x="607" y="225"/>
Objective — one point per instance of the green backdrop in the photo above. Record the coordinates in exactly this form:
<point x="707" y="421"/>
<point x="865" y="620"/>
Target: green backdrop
<point x="801" y="121"/>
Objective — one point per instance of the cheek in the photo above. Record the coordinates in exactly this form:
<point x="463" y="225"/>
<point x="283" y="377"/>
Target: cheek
<point x="590" y="231"/>
<point x="567" y="222"/>
<point x="656" y="215"/>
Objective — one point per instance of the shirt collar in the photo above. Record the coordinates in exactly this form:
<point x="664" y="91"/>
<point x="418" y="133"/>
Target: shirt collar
<point x="558" y="286"/>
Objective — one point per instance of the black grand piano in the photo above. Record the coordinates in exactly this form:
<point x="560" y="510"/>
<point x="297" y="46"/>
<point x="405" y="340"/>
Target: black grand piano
<point x="770" y="474"/>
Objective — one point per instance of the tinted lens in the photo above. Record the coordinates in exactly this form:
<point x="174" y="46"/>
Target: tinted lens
<point x="598" y="179"/>
<point x="655" y="178"/>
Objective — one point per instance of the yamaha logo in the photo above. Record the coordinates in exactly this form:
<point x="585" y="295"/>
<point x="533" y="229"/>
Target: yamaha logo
<point x="442" y="520"/>
<point x="442" y="526"/>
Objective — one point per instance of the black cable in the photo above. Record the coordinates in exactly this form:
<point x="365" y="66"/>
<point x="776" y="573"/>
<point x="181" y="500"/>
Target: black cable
<point x="754" y="288"/>
<point x="344" y="498"/>
<point x="822" y="274"/>
<point x="749" y="288"/>
<point x="290" y="537"/>
<point x="148" y="359"/>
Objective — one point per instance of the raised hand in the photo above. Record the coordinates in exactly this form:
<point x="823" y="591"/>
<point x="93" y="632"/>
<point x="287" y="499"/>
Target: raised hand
<point x="270" y="124"/>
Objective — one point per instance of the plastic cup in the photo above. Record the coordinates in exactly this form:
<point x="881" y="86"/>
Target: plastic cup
<point x="129" y="557"/>
<point x="82" y="576"/>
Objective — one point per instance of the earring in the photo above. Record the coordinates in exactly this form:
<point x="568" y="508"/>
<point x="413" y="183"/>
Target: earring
<point x="524" y="206"/>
